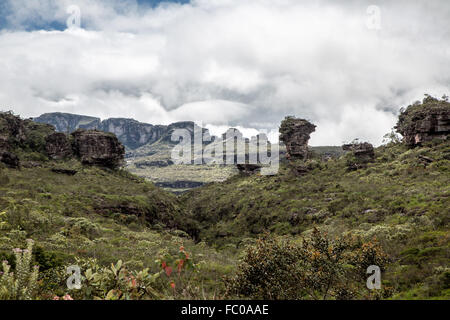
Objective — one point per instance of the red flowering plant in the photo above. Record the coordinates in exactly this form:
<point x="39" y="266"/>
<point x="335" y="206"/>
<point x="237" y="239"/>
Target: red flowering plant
<point x="176" y="268"/>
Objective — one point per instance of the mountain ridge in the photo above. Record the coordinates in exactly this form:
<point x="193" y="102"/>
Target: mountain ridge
<point x="132" y="133"/>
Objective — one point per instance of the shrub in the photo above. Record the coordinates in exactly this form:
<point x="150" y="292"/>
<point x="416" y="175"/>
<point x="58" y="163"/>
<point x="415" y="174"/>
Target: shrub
<point x="319" y="268"/>
<point x="22" y="284"/>
<point x="115" y="282"/>
<point x="48" y="260"/>
<point x="268" y="271"/>
<point x="83" y="226"/>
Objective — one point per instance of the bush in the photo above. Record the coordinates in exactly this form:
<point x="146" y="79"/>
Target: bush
<point x="319" y="268"/>
<point x="83" y="226"/>
<point x="22" y="284"/>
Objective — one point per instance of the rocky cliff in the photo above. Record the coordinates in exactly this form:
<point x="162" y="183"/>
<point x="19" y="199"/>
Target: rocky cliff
<point x="425" y="121"/>
<point x="67" y="122"/>
<point x="133" y="134"/>
<point x="21" y="139"/>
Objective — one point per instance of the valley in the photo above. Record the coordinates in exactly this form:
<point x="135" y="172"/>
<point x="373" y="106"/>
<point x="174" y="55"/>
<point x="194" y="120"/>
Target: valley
<point x="308" y="232"/>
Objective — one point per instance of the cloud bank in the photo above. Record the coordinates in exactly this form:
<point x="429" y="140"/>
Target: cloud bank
<point x="227" y="62"/>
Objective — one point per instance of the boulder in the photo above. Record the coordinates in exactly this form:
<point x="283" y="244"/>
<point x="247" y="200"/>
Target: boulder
<point x="98" y="148"/>
<point x="295" y="134"/>
<point x="58" y="146"/>
<point x="363" y="153"/>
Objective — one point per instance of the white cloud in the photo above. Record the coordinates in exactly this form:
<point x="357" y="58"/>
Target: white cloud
<point x="212" y="111"/>
<point x="242" y="63"/>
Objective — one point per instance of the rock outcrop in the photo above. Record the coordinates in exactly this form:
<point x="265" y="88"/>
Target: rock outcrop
<point x="363" y="153"/>
<point x="98" y="148"/>
<point x="295" y="134"/>
<point x="58" y="146"/>
<point x="18" y="136"/>
<point x="12" y="131"/>
<point x="426" y="121"/>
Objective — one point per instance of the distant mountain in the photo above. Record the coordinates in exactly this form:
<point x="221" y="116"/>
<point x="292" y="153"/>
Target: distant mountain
<point x="133" y="134"/>
<point x="66" y="122"/>
<point x="149" y="148"/>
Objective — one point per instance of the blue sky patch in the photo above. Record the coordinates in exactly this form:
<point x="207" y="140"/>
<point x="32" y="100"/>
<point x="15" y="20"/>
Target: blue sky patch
<point x="38" y="23"/>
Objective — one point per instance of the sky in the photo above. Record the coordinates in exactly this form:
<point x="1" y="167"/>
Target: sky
<point x="347" y="66"/>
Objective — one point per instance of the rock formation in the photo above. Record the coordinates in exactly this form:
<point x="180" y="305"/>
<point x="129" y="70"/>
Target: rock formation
<point x="295" y="134"/>
<point x="58" y="146"/>
<point x="133" y="134"/>
<point x="12" y="131"/>
<point x="363" y="153"/>
<point x="426" y="121"/>
<point x="21" y="136"/>
<point x="98" y="148"/>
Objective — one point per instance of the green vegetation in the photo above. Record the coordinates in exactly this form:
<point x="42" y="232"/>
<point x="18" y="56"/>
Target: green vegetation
<point x="21" y="284"/>
<point x="400" y="199"/>
<point x="309" y="232"/>
<point x="101" y="216"/>
<point x="318" y="268"/>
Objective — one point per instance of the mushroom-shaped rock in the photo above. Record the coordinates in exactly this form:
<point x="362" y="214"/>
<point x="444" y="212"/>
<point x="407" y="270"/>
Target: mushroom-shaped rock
<point x="295" y="134"/>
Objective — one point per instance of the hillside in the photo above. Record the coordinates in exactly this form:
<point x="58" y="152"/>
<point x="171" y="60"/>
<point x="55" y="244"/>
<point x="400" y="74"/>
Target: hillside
<point x="90" y="215"/>
<point x="401" y="197"/>
<point x="309" y="232"/>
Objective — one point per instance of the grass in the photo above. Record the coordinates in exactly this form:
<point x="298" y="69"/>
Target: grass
<point x="102" y="214"/>
<point x="397" y="199"/>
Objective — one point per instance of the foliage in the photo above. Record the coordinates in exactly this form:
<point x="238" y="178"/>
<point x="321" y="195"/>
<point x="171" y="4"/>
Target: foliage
<point x="22" y="284"/>
<point x="117" y="283"/>
<point x="99" y="216"/>
<point x="319" y="268"/>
